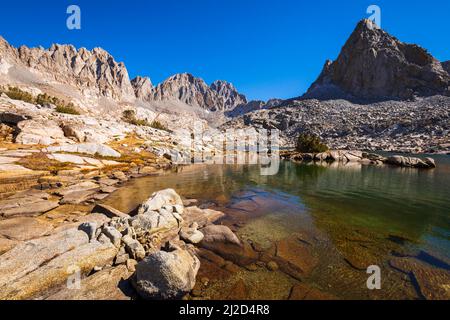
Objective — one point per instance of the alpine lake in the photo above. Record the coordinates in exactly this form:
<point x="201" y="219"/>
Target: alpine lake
<point x="319" y="227"/>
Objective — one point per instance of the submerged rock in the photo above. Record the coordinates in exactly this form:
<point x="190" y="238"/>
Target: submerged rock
<point x="295" y="257"/>
<point x="432" y="283"/>
<point x="304" y="292"/>
<point x="272" y="266"/>
<point x="219" y="233"/>
<point x="239" y="291"/>
<point x="191" y="234"/>
<point x="223" y="242"/>
<point x="201" y="217"/>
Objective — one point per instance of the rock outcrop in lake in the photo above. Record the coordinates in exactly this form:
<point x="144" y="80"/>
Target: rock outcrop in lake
<point x="360" y="157"/>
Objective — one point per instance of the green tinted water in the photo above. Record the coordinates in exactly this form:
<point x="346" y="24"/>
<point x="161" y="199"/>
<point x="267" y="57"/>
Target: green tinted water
<point x="361" y="215"/>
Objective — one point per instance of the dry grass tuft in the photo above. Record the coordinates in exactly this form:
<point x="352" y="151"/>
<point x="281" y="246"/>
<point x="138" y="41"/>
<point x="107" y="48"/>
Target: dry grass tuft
<point x="40" y="162"/>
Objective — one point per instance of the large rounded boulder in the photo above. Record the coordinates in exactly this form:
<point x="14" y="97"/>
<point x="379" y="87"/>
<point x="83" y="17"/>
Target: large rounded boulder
<point x="166" y="275"/>
<point x="160" y="199"/>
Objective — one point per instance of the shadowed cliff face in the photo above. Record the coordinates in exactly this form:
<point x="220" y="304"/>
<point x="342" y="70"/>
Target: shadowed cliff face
<point x="375" y="65"/>
<point x="446" y="66"/>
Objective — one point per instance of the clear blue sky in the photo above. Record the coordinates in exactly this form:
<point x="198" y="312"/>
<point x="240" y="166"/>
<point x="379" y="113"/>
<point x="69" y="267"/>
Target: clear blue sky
<point x="265" y="48"/>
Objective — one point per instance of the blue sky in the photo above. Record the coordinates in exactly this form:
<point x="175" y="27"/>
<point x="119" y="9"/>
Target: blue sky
<point x="265" y="48"/>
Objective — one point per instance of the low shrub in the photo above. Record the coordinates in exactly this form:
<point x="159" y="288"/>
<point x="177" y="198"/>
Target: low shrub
<point x="68" y="109"/>
<point x="308" y="143"/>
<point x="158" y="125"/>
<point x="18" y="94"/>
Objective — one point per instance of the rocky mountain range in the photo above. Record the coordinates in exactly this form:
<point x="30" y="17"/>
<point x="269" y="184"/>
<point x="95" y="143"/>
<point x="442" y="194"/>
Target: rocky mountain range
<point x="184" y="87"/>
<point x="374" y="65"/>
<point x="89" y="77"/>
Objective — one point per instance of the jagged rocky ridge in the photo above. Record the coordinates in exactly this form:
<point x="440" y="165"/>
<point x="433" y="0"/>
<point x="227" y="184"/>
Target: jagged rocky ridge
<point x="142" y="87"/>
<point x="253" y="105"/>
<point x="93" y="72"/>
<point x="184" y="87"/>
<point x="374" y="65"/>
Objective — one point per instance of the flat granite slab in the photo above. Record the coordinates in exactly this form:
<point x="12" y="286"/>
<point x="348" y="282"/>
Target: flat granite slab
<point x="31" y="208"/>
<point x="10" y="171"/>
<point x="24" y="228"/>
<point x="8" y="160"/>
<point x="108" y="284"/>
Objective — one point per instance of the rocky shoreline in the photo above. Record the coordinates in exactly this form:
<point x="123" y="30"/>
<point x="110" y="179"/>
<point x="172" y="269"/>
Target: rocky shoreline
<point x="145" y="249"/>
<point x="344" y="156"/>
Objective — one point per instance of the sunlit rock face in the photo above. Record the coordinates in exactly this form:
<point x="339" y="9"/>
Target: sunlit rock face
<point x="184" y="87"/>
<point x="93" y="71"/>
<point x="375" y="65"/>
